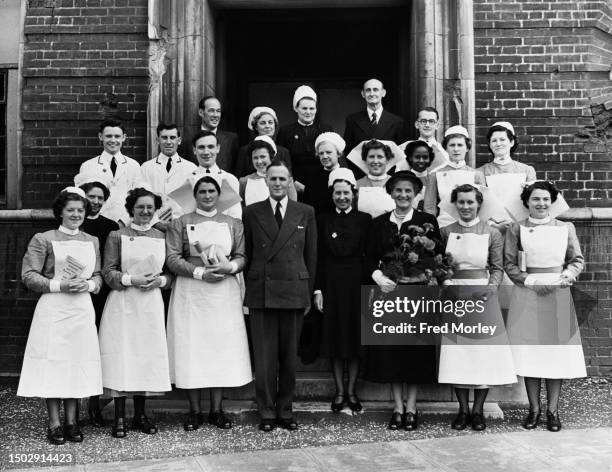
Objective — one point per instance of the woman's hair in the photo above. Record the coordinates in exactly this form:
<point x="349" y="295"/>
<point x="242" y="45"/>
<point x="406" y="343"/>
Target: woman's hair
<point x="257" y="117"/>
<point x="62" y="200"/>
<point x="539" y="185"/>
<point x="509" y="133"/>
<point x="208" y="180"/>
<point x="374" y="144"/>
<point x="353" y="187"/>
<point x="89" y="185"/>
<point x="468" y="141"/>
<point x="133" y="196"/>
<point x="466" y="188"/>
<point x="414" y="145"/>
<point x="401" y="176"/>
<point x="260" y="144"/>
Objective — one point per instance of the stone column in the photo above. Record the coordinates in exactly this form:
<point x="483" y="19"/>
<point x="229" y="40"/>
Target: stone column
<point x="465" y="70"/>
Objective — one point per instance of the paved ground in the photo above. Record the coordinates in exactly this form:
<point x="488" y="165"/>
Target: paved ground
<point x="568" y="451"/>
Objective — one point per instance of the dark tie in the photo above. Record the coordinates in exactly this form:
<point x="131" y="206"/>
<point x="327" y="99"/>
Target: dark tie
<point x="208" y="171"/>
<point x="278" y="216"/>
<point x="373" y="120"/>
<point x="113" y="166"/>
<point x="169" y="165"/>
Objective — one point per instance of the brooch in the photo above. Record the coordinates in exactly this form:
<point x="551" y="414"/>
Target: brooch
<point x="334" y="235"/>
<point x="103" y="170"/>
<point x="132" y="238"/>
<point x="296" y="137"/>
<point x="458" y="237"/>
<point x="531" y="230"/>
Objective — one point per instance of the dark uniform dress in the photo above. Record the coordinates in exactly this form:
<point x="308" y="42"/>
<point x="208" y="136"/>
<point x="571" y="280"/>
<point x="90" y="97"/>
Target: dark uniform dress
<point x="394" y="364"/>
<point x="99" y="227"/>
<point x="317" y="193"/>
<point x="340" y="272"/>
<point x="300" y="140"/>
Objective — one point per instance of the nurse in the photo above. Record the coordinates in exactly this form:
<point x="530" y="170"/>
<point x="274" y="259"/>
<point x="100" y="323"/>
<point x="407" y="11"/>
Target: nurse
<point x="132" y="333"/>
<point x="373" y="198"/>
<point x="62" y="359"/>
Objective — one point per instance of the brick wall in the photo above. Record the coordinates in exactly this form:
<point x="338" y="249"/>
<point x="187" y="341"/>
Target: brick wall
<point x="545" y="66"/>
<point x="83" y="60"/>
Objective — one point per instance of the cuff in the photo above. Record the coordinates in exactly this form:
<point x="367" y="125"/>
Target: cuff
<point x="198" y="272"/>
<point x="164" y="280"/>
<point x="234" y="265"/>
<point x="55" y="286"/>
<point x="92" y="286"/>
<point x="317" y="292"/>
<point x="568" y="274"/>
<point x="126" y="280"/>
<point x="530" y="281"/>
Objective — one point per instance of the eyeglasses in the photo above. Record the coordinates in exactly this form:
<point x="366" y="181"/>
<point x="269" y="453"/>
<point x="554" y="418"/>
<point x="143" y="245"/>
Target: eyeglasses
<point x="427" y="122"/>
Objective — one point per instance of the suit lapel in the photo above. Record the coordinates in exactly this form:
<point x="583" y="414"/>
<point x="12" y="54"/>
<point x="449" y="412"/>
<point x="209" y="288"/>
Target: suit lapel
<point x="265" y="219"/>
<point x="382" y="126"/>
<point x="364" y="123"/>
<point x="289" y="226"/>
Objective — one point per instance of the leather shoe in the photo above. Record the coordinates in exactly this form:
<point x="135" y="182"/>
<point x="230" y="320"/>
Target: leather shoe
<point x="411" y="420"/>
<point x="461" y="421"/>
<point x="532" y="420"/>
<point x="119" y="429"/>
<point x="143" y="424"/>
<point x="266" y="426"/>
<point x="338" y="403"/>
<point x="219" y="419"/>
<point x="288" y="423"/>
<point x="478" y="422"/>
<point x="553" y="423"/>
<point x="73" y="433"/>
<point x="396" y="421"/>
<point x="56" y="435"/>
<point x="95" y="418"/>
<point x="193" y="421"/>
<point x="354" y="404"/>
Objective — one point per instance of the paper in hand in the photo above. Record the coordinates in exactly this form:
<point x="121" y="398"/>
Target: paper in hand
<point x="72" y="268"/>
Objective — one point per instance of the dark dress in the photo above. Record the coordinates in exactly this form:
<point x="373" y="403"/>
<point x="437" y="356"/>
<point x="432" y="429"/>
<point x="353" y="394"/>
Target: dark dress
<point x="340" y="272"/>
<point x="317" y="193"/>
<point x="410" y="364"/>
<point x="300" y="141"/>
<point x="99" y="227"/>
<point x="244" y="162"/>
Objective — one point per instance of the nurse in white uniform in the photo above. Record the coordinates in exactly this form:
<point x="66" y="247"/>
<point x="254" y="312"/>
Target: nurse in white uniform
<point x="132" y="331"/>
<point x="62" y="359"/>
<point x="477" y="251"/>
<point x="542" y="257"/>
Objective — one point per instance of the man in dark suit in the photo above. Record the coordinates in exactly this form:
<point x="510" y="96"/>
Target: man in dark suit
<point x="374" y="122"/>
<point x="209" y="110"/>
<point x="281" y="240"/>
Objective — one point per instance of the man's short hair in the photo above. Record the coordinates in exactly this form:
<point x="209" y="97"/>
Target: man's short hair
<point x="112" y="123"/>
<point x="278" y="163"/>
<point x="429" y="109"/>
<point x="163" y="126"/>
<point x="202" y="104"/>
<point x="202" y="134"/>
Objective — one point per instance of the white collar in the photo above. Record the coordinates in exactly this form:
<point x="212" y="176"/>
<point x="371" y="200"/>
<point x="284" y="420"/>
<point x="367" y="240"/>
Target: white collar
<point x="214" y="169"/>
<point x="105" y="156"/>
<point x="425" y="173"/>
<point x="394" y="219"/>
<point x="146" y="227"/>
<point x="539" y="221"/>
<point x="174" y="157"/>
<point x="260" y="175"/>
<point x="468" y="224"/>
<point x="330" y="170"/>
<point x="71" y="232"/>
<point x="502" y="161"/>
<point x="431" y="141"/>
<point x="456" y="165"/>
<point x="377" y="177"/>
<point x="283" y="202"/>
<point x="378" y="112"/>
<point x="348" y="210"/>
<point x="94" y="217"/>
<point x="206" y="213"/>
<point x="305" y="124"/>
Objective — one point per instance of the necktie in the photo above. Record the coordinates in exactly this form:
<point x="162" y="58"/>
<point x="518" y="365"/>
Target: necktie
<point x="373" y="120"/>
<point x="208" y="171"/>
<point x="113" y="166"/>
<point x="278" y="216"/>
<point x="169" y="165"/>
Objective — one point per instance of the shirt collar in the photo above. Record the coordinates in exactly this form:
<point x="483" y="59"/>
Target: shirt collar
<point x="206" y="213"/>
<point x="106" y="157"/>
<point x="348" y="210"/>
<point x="502" y="161"/>
<point x="71" y="232"/>
<point x="394" y="219"/>
<point x="456" y="165"/>
<point x="146" y="227"/>
<point x="539" y="221"/>
<point x="214" y="169"/>
<point x="425" y="173"/>
<point x="377" y="177"/>
<point x="283" y="203"/>
<point x="305" y="125"/>
<point x="378" y="111"/>
<point x="162" y="157"/>
<point x="433" y="142"/>
<point x="469" y="224"/>
<point x="93" y="217"/>
<point x="204" y="128"/>
<point x="263" y="176"/>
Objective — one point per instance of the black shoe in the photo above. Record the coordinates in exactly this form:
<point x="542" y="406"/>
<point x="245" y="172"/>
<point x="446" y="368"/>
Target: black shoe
<point x="461" y="421"/>
<point x="478" y="422"/>
<point x="193" y="421"/>
<point x="267" y="426"/>
<point x="532" y="420"/>
<point x="143" y="424"/>
<point x="56" y="435"/>
<point x="338" y="403"/>
<point x="119" y="429"/>
<point x="95" y="418"/>
<point x="73" y="433"/>
<point x="354" y="404"/>
<point x="553" y="423"/>
<point x="411" y="420"/>
<point x="219" y="419"/>
<point x="396" y="422"/>
<point x="288" y="423"/>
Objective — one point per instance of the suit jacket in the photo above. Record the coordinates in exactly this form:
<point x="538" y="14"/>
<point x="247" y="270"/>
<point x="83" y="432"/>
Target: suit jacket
<point x="281" y="263"/>
<point x="390" y="127"/>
